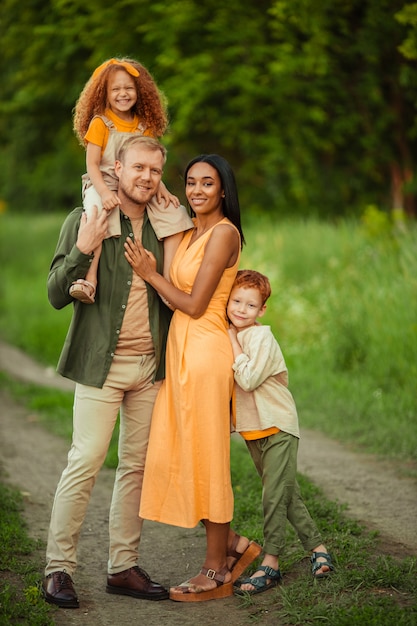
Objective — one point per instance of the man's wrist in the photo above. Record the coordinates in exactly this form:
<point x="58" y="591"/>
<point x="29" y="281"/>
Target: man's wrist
<point x="90" y="254"/>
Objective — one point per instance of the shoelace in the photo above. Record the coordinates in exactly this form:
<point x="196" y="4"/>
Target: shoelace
<point x="64" y="581"/>
<point x="142" y="573"/>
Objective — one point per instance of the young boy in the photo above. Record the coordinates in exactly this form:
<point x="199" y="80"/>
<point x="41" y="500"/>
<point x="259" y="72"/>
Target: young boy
<point x="266" y="417"/>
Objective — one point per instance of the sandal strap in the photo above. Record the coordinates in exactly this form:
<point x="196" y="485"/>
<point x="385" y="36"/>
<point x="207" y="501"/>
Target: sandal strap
<point x="260" y="581"/>
<point x="270" y="572"/>
<point x="233" y="552"/>
<point x="325" y="555"/>
<point x="257" y="581"/>
<point x="318" y="564"/>
<point x="218" y="577"/>
<point x="87" y="282"/>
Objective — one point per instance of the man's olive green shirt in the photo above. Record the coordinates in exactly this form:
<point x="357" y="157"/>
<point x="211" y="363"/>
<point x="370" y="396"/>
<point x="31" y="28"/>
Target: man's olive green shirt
<point x="94" y="330"/>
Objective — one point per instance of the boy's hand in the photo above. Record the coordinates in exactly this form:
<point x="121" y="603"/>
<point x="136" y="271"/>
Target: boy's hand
<point x="232" y="332"/>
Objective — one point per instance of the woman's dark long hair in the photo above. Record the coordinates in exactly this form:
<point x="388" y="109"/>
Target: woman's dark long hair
<point x="230" y="202"/>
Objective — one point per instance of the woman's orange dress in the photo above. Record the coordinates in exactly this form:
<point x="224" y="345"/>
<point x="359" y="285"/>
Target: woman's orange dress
<point x="187" y="471"/>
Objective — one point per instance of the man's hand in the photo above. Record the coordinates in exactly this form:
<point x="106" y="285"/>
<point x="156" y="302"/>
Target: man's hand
<point x="93" y="230"/>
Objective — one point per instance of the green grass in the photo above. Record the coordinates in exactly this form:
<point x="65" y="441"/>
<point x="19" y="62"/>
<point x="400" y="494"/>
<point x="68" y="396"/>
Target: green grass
<point x="368" y="588"/>
<point x="344" y="308"/>
<point x="27" y="319"/>
<point x="20" y="601"/>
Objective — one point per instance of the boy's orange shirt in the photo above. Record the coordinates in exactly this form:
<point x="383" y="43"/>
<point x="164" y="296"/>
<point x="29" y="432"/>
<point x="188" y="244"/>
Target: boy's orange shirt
<point x="250" y="435"/>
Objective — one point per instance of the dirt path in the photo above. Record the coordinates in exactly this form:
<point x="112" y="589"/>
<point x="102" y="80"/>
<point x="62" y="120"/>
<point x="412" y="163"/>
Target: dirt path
<point x="33" y="460"/>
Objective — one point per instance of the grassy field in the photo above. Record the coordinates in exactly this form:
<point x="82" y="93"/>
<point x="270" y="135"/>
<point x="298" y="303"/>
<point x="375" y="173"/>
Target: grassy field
<point x="344" y="310"/>
<point x="19" y="591"/>
<point x="369" y="588"/>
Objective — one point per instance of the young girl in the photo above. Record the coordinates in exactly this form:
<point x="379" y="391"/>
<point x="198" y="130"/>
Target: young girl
<point x="120" y="98"/>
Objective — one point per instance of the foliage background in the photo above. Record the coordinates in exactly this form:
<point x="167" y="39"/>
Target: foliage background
<point x="312" y="101"/>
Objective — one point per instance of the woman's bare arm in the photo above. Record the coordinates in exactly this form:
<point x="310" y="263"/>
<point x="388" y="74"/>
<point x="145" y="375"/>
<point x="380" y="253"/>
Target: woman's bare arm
<point x="221" y="252"/>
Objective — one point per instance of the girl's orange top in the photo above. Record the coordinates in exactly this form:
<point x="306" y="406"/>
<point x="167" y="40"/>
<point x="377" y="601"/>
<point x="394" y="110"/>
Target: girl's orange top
<point x="98" y="131"/>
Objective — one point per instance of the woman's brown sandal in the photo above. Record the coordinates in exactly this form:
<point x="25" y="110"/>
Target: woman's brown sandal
<point x="243" y="559"/>
<point x="189" y="592"/>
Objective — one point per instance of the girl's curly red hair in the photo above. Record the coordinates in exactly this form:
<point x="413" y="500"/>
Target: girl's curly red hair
<point x="150" y="106"/>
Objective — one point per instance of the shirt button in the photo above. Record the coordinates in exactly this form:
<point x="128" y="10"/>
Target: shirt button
<point x="117" y="331"/>
<point x="111" y="353"/>
<point x="130" y="234"/>
<point x="129" y="282"/>
<point x="123" y="306"/>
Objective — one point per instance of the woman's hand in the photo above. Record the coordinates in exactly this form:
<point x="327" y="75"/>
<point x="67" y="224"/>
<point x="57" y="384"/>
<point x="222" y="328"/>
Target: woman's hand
<point x="142" y="261"/>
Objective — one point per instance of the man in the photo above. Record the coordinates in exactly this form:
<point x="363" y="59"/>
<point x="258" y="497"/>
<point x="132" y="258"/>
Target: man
<point x="114" y="351"/>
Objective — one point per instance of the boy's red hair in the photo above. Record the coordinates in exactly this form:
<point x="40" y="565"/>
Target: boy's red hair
<point x="251" y="279"/>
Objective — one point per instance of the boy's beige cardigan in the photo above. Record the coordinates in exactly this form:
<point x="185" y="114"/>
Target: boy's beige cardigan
<point x="263" y="399"/>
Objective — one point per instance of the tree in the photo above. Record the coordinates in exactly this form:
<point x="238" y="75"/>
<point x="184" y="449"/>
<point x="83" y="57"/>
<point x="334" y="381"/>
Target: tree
<point x="313" y="103"/>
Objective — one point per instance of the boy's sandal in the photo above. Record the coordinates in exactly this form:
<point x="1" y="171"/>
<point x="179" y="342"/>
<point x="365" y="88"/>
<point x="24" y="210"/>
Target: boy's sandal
<point x="189" y="592"/>
<point x="83" y="291"/>
<point x="243" y="559"/>
<point x="317" y="565"/>
<point x="260" y="582"/>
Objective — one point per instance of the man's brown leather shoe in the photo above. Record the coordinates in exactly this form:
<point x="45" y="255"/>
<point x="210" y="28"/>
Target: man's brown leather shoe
<point x="137" y="583"/>
<point x="58" y="589"/>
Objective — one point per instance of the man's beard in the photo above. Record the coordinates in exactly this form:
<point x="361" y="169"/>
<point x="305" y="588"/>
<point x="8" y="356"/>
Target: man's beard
<point x="136" y="198"/>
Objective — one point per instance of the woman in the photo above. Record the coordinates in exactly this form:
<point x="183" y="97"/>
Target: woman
<point x="187" y="473"/>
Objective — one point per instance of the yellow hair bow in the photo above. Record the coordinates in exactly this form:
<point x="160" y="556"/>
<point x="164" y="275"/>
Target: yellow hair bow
<point x="127" y="66"/>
